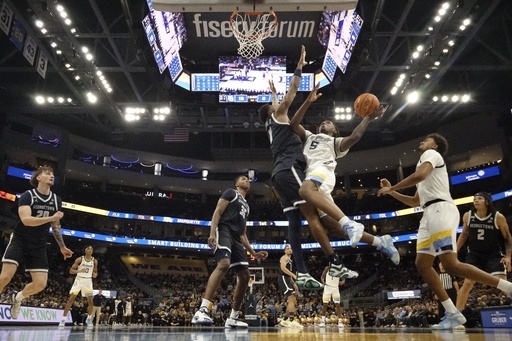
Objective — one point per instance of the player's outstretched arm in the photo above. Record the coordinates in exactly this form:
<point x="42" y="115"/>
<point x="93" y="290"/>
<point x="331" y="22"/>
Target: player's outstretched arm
<point x="299" y="114"/>
<point x="283" y="107"/>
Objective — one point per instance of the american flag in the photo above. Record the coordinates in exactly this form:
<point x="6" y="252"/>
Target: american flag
<point x="178" y="135"/>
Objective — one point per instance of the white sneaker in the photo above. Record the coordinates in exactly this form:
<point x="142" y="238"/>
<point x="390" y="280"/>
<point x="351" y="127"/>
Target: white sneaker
<point x="354" y="231"/>
<point x="15" y="307"/>
<point x="295" y="324"/>
<point x="340" y="324"/>
<point x="450" y="321"/>
<point x="340" y="271"/>
<point x="460" y="328"/>
<point x="235" y="323"/>
<point x="62" y="323"/>
<point x="321" y="324"/>
<point x="284" y="323"/>
<point x="307" y="282"/>
<point x="88" y="321"/>
<point x="202" y="318"/>
<point x="387" y="248"/>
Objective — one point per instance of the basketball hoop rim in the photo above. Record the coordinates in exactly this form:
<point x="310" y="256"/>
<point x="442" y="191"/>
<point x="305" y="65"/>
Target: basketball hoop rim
<point x="237" y="33"/>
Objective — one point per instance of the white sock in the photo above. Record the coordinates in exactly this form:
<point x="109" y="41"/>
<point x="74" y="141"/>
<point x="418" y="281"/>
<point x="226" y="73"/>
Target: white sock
<point x="449" y="306"/>
<point x="344" y="220"/>
<point x="234" y="314"/>
<point x="206" y="304"/>
<point x="376" y="241"/>
<point x="505" y="286"/>
<point x="19" y="296"/>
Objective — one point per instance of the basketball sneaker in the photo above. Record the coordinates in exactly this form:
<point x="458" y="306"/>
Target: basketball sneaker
<point x="295" y="324"/>
<point x="62" y="323"/>
<point x="340" y="324"/>
<point x="202" y="318"/>
<point x="284" y="323"/>
<point x="450" y="321"/>
<point x="388" y="248"/>
<point x="341" y="271"/>
<point x="307" y="282"/>
<point x="88" y="321"/>
<point x="15" y="307"/>
<point x="354" y="232"/>
<point x="235" y="323"/>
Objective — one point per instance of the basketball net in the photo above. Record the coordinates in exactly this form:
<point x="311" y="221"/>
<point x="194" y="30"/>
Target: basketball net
<point x="250" y="29"/>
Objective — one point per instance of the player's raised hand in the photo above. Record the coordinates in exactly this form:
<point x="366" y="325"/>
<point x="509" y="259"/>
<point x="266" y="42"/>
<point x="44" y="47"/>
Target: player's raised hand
<point x="302" y="59"/>
<point x="377" y="112"/>
<point x="314" y="95"/>
<point x="272" y="86"/>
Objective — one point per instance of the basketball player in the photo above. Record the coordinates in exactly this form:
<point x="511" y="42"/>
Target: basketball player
<point x="85" y="268"/>
<point x="331" y="292"/>
<point x="321" y="151"/>
<point x="287" y="176"/>
<point x="288" y="288"/>
<point x="438" y="226"/>
<point x="489" y="242"/>
<point x="38" y="209"/>
<point x="229" y="240"/>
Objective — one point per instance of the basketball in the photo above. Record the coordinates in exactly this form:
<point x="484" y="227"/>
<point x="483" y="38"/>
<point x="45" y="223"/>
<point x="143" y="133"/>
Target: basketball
<point x="365" y="104"/>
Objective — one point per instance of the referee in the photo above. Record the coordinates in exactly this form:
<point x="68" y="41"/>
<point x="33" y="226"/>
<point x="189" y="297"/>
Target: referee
<point x="451" y="286"/>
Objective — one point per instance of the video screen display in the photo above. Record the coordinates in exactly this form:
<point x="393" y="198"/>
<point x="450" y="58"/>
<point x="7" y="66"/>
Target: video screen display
<point x="338" y="33"/>
<point x="475" y="175"/>
<point x="246" y="79"/>
<point x="166" y="34"/>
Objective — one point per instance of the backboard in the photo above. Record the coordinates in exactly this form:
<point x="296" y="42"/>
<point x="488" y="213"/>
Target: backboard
<point x="253" y="5"/>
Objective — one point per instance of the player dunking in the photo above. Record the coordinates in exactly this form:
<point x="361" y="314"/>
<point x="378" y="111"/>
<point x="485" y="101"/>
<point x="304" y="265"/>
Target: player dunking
<point x="438" y="226"/>
<point x="85" y="268"/>
<point x="38" y="209"/>
<point x="321" y="151"/>
<point x="287" y="176"/>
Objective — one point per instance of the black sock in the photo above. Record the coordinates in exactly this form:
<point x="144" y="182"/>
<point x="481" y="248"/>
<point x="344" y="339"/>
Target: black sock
<point x="334" y="259"/>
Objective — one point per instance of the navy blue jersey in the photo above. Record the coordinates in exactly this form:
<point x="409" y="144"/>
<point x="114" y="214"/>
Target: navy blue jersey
<point x="289" y="266"/>
<point x="41" y="206"/>
<point x="484" y="234"/>
<point x="286" y="146"/>
<point x="235" y="215"/>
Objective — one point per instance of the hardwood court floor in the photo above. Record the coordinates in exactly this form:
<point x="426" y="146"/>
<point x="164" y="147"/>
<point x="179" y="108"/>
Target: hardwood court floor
<point x="53" y="333"/>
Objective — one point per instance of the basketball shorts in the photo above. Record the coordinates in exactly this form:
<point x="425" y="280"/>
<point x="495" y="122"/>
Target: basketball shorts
<point x="331" y="293"/>
<point x="33" y="257"/>
<point x="285" y="286"/>
<point x="230" y="247"/>
<point x="438" y="229"/>
<point x="287" y="183"/>
<point x="489" y="263"/>
<point x="323" y="177"/>
<point x="82" y="285"/>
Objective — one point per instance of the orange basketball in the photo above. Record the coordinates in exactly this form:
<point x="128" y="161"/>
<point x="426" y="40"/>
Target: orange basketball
<point x="365" y="104"/>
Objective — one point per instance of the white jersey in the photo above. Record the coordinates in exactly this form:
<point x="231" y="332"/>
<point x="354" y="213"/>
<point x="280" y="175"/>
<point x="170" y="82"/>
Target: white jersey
<point x="436" y="185"/>
<point x="331" y="281"/>
<point x="322" y="150"/>
<point x="88" y="265"/>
